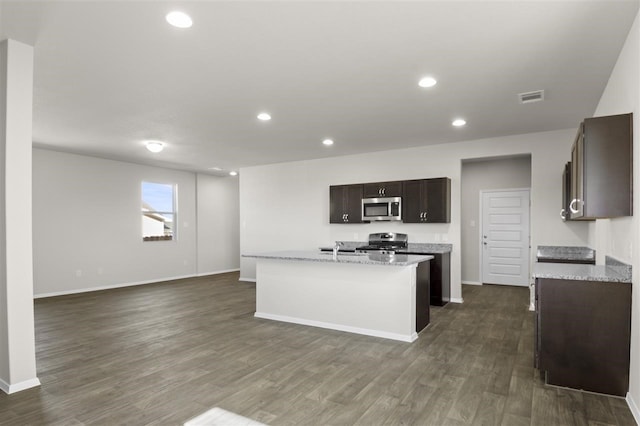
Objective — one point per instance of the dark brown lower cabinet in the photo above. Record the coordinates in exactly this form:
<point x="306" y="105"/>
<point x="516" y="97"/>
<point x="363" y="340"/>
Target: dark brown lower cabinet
<point x="422" y="295"/>
<point x="440" y="277"/>
<point x="582" y="334"/>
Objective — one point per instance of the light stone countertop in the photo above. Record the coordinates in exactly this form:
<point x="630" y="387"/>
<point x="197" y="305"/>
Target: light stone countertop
<point x="578" y="272"/>
<point x="570" y="253"/>
<point x="344" y="257"/>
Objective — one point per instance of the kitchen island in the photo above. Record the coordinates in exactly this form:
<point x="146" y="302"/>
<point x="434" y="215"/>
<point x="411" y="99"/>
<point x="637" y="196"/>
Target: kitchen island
<point x="440" y="265"/>
<point x="366" y="293"/>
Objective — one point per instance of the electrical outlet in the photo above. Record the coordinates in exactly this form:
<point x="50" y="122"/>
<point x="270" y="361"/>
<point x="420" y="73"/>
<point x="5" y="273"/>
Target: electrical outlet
<point x="78" y="272"/>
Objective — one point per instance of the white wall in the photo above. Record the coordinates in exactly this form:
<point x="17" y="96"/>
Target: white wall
<point x="72" y="193"/>
<point x="218" y="224"/>
<point x="286" y="206"/>
<point x="502" y="173"/>
<point x="17" y="336"/>
<point x="620" y="237"/>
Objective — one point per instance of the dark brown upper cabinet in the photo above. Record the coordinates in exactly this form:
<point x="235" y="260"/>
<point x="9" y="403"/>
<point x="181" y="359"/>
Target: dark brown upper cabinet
<point x="426" y="201"/>
<point x="566" y="191"/>
<point x="345" y="203"/>
<point x="602" y="168"/>
<point x="383" y="189"/>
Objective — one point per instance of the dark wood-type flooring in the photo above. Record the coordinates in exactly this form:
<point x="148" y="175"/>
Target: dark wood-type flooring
<point x="164" y="353"/>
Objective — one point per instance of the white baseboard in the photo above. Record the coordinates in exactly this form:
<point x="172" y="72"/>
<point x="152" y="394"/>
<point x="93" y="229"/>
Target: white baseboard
<point x="456" y="300"/>
<point x="249" y="280"/>
<point x="112" y="286"/>
<point x="340" y="327"/>
<point x="109" y="287"/>
<point x="633" y="407"/>
<point x="204" y="274"/>
<point x="471" y="282"/>
<point x="17" y="387"/>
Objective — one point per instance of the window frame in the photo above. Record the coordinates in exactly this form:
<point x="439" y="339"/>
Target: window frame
<point x="174" y="213"/>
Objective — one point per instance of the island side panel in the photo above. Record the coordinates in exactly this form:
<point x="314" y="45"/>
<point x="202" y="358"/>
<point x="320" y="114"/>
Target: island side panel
<point x="423" y="295"/>
<point x="365" y="299"/>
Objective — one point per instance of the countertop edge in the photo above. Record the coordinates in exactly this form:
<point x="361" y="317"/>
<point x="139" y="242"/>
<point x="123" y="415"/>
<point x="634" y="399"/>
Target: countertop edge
<point x="580" y="272"/>
<point x="364" y="259"/>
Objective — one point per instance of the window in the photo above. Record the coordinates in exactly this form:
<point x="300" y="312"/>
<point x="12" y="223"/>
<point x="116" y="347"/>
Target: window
<point x="158" y="211"/>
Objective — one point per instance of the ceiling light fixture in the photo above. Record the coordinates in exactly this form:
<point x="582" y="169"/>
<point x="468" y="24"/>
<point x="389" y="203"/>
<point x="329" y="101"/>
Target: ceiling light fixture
<point x="459" y="122"/>
<point x="154" y="146"/>
<point x="234" y="173"/>
<point x="179" y="19"/>
<point x="427" y="82"/>
<point x="263" y="116"/>
<point x="327" y="142"/>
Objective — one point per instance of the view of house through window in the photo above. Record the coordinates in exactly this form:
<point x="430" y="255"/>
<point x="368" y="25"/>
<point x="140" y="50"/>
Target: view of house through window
<point x="158" y="211"/>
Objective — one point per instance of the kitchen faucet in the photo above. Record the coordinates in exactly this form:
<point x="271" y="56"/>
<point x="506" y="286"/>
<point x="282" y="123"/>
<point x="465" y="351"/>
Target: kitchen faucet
<point x="336" y="248"/>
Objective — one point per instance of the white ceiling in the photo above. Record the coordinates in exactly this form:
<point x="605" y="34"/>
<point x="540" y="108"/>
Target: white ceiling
<point x="109" y="74"/>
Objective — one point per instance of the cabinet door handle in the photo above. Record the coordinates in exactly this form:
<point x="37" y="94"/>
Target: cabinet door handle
<point x="347" y="217"/>
<point x="383" y="192"/>
<point x="574" y="209"/>
<point x="563" y="214"/>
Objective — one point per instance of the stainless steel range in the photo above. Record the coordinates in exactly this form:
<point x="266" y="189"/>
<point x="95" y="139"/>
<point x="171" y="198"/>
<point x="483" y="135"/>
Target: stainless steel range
<point x="385" y="243"/>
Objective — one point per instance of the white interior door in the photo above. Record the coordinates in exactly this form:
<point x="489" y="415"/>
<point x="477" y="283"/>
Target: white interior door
<point x="505" y="237"/>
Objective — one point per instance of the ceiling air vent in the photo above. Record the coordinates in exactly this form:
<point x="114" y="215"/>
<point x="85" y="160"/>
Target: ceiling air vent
<point x="528" y="97"/>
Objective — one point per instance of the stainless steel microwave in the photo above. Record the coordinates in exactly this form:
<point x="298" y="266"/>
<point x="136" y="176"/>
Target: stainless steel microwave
<point x="388" y="208"/>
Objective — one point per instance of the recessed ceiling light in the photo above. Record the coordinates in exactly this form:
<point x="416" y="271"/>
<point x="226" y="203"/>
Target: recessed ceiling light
<point x="427" y="82"/>
<point x="233" y="173"/>
<point x="215" y="169"/>
<point x="154" y="146"/>
<point x="179" y="19"/>
<point x="459" y="122"/>
<point x="328" y="142"/>
<point x="264" y="116"/>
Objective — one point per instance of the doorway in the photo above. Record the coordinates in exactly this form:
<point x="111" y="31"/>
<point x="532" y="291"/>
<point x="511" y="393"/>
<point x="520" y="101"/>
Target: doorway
<point x="483" y="174"/>
<point x="505" y="236"/>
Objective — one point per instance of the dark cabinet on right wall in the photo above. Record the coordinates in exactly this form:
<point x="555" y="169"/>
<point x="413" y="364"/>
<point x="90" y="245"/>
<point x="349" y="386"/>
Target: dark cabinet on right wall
<point x="582" y="334"/>
<point x="426" y="201"/>
<point x="566" y="191"/>
<point x="602" y="168"/>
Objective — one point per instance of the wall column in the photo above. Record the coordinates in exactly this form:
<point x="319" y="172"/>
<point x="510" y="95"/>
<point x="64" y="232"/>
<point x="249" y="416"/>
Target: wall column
<point x="17" y="335"/>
